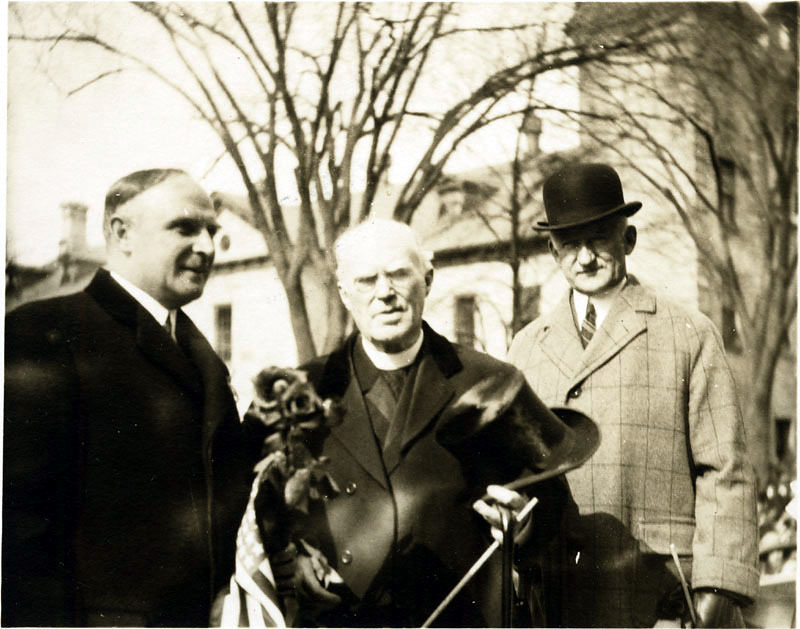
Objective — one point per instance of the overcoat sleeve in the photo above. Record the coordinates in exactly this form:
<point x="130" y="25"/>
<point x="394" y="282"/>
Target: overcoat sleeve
<point x="725" y="541"/>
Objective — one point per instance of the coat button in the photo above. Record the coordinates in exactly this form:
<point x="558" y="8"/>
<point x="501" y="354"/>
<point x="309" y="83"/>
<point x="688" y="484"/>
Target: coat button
<point x="351" y="488"/>
<point x="575" y="393"/>
<point x="347" y="557"/>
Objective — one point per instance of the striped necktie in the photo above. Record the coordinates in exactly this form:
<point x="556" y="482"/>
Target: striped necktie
<point x="589" y="322"/>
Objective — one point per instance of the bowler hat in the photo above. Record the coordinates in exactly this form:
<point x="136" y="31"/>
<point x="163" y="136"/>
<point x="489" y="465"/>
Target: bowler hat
<point x="502" y="415"/>
<point x="582" y="193"/>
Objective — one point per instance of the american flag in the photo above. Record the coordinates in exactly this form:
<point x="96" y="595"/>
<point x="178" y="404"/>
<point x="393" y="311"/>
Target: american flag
<point x="253" y="599"/>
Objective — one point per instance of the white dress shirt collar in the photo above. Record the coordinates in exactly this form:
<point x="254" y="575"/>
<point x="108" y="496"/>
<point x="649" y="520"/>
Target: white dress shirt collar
<point x="602" y="303"/>
<point x="388" y="362"/>
<point x="147" y="302"/>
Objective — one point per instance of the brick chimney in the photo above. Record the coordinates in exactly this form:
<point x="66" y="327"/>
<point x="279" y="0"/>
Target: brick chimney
<point x="73" y="228"/>
<point x="451" y="197"/>
<point x="532" y="128"/>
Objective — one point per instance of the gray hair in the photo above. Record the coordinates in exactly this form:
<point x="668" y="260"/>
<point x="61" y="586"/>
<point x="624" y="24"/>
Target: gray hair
<point x="373" y="228"/>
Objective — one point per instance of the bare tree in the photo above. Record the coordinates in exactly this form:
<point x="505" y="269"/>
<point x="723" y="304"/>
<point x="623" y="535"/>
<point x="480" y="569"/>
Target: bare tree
<point x="330" y="90"/>
<point x="709" y="120"/>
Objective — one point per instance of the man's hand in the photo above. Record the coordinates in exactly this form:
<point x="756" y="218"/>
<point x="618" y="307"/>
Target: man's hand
<point x="310" y="576"/>
<point x="284" y="567"/>
<point x="501" y="497"/>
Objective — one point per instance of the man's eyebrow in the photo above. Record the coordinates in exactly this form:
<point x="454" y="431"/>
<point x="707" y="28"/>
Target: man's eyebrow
<point x="193" y="221"/>
<point x="400" y="266"/>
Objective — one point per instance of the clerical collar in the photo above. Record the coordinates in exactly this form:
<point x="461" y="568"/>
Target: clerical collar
<point x="145" y="300"/>
<point x="602" y="303"/>
<point x="387" y="362"/>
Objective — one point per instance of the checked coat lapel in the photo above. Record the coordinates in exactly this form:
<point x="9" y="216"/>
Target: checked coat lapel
<point x="623" y="323"/>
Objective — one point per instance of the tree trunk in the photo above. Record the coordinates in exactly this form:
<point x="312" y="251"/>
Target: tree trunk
<point x="301" y="325"/>
<point x="337" y="321"/>
<point x="757" y="412"/>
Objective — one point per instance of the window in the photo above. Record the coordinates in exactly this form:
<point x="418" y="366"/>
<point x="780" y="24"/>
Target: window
<point x="727" y="191"/>
<point x="783" y="433"/>
<point x="222" y="326"/>
<point x="528" y="304"/>
<point x="730" y="334"/>
<point x="465" y="320"/>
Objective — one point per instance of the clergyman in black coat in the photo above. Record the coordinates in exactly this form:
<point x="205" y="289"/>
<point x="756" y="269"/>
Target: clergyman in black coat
<point x="426" y="426"/>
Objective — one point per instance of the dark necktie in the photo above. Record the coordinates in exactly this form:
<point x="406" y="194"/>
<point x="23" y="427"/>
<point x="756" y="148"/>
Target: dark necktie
<point x="589" y="322"/>
<point x="395" y="378"/>
<point x="169" y="326"/>
<point x="382" y="398"/>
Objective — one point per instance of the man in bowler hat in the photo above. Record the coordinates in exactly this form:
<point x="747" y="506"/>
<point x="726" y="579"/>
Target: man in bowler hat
<point x="427" y="425"/>
<point x="672" y="469"/>
<point x="124" y="468"/>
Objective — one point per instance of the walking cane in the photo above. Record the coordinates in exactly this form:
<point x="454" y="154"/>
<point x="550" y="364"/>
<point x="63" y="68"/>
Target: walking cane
<point x="506" y="568"/>
<point x="523" y="513"/>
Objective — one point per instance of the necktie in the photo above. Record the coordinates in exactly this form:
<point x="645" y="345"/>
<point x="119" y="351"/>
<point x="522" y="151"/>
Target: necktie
<point x="589" y="321"/>
<point x="169" y="325"/>
<point x="395" y="378"/>
<point x="382" y="401"/>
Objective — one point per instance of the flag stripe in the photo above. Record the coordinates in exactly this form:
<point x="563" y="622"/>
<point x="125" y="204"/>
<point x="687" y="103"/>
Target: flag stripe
<point x="253" y="600"/>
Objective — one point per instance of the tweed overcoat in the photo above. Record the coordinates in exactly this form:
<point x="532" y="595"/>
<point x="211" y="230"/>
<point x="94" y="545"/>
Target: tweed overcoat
<point x="402" y="531"/>
<point x="672" y="465"/>
<point x="125" y="473"/>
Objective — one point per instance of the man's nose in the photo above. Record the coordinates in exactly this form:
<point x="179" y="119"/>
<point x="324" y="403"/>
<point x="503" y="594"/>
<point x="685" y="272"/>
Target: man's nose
<point x="383" y="287"/>
<point x="203" y="243"/>
<point x="585" y="254"/>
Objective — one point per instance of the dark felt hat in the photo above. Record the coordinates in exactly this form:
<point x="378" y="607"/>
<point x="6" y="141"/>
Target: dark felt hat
<point x="502" y="415"/>
<point x="582" y="193"/>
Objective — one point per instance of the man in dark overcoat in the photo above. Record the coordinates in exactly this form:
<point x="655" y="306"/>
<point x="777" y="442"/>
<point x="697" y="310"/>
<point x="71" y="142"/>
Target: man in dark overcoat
<point x="410" y="466"/>
<point x="672" y="472"/>
<point x="125" y="473"/>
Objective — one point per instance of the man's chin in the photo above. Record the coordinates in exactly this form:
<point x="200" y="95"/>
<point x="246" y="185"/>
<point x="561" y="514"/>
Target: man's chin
<point x="188" y="291"/>
<point x="391" y="341"/>
<point x="594" y="285"/>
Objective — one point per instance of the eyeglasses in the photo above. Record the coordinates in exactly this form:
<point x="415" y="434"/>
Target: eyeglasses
<point x="397" y="279"/>
<point x="572" y="248"/>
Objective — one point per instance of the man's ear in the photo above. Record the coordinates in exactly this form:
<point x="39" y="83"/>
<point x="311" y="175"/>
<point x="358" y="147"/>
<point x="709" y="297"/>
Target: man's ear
<point x="343" y="295"/>
<point x="552" y="248"/>
<point x="120" y="233"/>
<point x="428" y="281"/>
<point x="630" y="239"/>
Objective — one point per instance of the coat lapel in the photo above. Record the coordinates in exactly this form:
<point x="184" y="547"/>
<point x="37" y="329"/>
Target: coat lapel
<point x="214" y="381"/>
<point x="561" y="341"/>
<point x="432" y="390"/>
<point x="354" y="433"/>
<point x="159" y="347"/>
<point x="151" y="338"/>
<point x="430" y="393"/>
<point x="622" y="324"/>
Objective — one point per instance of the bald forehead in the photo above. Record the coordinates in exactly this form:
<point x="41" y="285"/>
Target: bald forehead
<point x="378" y="240"/>
<point x="181" y="189"/>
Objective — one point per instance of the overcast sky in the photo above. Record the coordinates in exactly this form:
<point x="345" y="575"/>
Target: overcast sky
<point x="71" y="148"/>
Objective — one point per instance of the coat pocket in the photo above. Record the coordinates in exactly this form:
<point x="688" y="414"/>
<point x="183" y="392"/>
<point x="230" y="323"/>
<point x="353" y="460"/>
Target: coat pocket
<point x="655" y="535"/>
